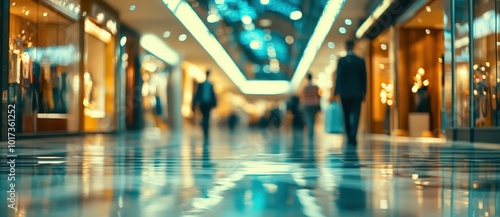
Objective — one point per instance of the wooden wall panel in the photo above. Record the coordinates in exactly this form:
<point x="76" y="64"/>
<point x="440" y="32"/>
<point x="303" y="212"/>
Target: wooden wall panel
<point x="417" y="49"/>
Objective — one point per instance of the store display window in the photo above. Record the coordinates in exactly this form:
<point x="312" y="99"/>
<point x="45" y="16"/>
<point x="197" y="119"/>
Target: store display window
<point x="44" y="64"/>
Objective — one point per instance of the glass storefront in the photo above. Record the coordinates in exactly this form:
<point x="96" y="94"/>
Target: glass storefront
<point x="44" y="65"/>
<point x="381" y="86"/>
<point x="474" y="28"/>
<point x="99" y="72"/>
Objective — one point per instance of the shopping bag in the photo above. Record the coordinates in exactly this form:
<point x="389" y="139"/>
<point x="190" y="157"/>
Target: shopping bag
<point x="334" y="118"/>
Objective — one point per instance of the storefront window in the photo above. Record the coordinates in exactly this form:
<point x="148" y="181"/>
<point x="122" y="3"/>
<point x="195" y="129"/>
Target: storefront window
<point x="44" y="65"/>
<point x="462" y="64"/>
<point x="99" y="77"/>
<point x="383" y="90"/>
<point x="447" y="69"/>
<point x="484" y="60"/>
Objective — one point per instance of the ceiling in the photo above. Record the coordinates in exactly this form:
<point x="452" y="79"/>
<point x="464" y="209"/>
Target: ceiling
<point x="152" y="16"/>
<point x="430" y="16"/>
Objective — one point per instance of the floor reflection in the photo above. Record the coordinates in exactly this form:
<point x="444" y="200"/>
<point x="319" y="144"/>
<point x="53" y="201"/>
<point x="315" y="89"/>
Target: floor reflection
<point x="252" y="173"/>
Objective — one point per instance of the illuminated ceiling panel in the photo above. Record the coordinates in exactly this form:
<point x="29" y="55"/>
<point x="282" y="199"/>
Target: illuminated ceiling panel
<point x="309" y="28"/>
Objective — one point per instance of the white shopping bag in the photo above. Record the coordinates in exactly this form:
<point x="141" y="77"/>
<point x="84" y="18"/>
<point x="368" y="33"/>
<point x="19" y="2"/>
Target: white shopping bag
<point x="334" y="120"/>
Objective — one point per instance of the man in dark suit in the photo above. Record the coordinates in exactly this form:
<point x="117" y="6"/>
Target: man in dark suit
<point x="350" y="86"/>
<point x="206" y="100"/>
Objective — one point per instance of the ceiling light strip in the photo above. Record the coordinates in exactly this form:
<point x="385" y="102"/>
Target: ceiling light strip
<point x="381" y="9"/>
<point x="188" y="17"/>
<point x="330" y="13"/>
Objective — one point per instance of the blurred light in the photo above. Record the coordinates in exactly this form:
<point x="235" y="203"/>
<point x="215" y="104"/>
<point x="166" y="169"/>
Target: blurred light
<point x="476" y="66"/>
<point x="484" y="77"/>
<point x="428" y="9"/>
<point x="289" y="39"/>
<point x="100" y="17"/>
<point x="265" y="22"/>
<point x="182" y="37"/>
<point x="132" y="8"/>
<point x="246" y="19"/>
<point x="333" y="57"/>
<point x="13" y="3"/>
<point x="45" y="14"/>
<point x="166" y="34"/>
<point x="123" y="41"/>
<point x="414" y="89"/>
<point x="426" y="82"/>
<point x="255" y="44"/>
<point x="382" y="66"/>
<point x="157" y="47"/>
<point x="264" y="2"/>
<point x="331" y="45"/>
<point x="371" y="20"/>
<point x="384" y="204"/>
<point x="421" y="71"/>
<point x="488" y="64"/>
<point x="342" y="30"/>
<point x="213" y="18"/>
<point x="420" y="20"/>
<point x="428" y="31"/>
<point x="383" y="46"/>
<point x="27" y="13"/>
<point x="475" y="92"/>
<point x="343" y="53"/>
<point x="348" y="22"/>
<point x="124" y="57"/>
<point x="296" y="15"/>
<point x="440" y="60"/>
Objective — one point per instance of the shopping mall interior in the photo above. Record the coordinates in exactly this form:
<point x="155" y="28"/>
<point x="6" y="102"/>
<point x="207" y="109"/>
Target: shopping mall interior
<point x="131" y="108"/>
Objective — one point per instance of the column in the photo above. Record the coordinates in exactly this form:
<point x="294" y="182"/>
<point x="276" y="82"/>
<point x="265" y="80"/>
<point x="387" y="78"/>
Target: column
<point x="174" y="94"/>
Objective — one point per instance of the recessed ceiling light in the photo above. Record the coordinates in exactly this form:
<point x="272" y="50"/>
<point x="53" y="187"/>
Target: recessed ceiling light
<point x="343" y="53"/>
<point x="166" y="34"/>
<point x="428" y="9"/>
<point x="45" y="14"/>
<point x="13" y="3"/>
<point x="331" y="45"/>
<point x="333" y="56"/>
<point x="348" y="22"/>
<point x="296" y="15"/>
<point x="264" y="2"/>
<point x="265" y="22"/>
<point x="342" y="30"/>
<point x="182" y="37"/>
<point x="289" y="39"/>
<point x="428" y="31"/>
<point x="132" y="7"/>
<point x="383" y="46"/>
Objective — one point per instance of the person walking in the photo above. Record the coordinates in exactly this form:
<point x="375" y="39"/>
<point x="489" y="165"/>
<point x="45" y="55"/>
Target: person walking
<point x="310" y="105"/>
<point x="206" y="100"/>
<point x="350" y="87"/>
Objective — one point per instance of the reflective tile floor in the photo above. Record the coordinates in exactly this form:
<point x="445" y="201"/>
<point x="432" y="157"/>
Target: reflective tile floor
<point x="250" y="173"/>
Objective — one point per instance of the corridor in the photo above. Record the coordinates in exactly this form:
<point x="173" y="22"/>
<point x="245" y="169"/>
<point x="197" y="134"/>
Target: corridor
<point x="252" y="173"/>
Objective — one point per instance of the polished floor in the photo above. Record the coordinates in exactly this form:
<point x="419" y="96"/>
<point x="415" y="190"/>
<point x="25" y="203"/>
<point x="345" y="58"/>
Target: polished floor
<point x="251" y="173"/>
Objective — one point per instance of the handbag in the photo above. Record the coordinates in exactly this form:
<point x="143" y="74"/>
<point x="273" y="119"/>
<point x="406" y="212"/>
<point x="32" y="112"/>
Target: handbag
<point x="334" y="118"/>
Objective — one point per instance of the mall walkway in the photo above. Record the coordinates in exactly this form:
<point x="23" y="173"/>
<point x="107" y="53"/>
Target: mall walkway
<point x="252" y="174"/>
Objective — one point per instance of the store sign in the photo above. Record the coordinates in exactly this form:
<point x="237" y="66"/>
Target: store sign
<point x="60" y="55"/>
<point x="71" y="8"/>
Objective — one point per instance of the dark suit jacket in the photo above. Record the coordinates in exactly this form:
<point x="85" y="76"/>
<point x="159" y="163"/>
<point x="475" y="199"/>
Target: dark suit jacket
<point x="199" y="94"/>
<point x="351" y="77"/>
